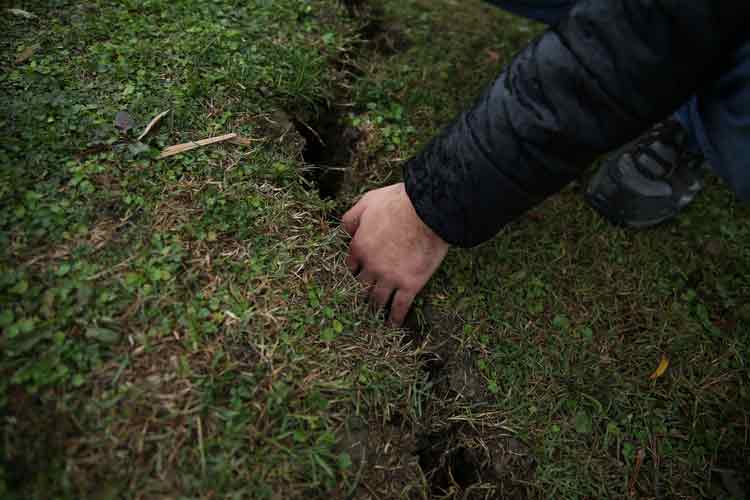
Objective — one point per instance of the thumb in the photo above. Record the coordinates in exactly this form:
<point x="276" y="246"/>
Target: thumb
<point x="351" y="219"/>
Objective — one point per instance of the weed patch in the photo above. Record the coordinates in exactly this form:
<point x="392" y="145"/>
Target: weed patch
<point x="186" y="327"/>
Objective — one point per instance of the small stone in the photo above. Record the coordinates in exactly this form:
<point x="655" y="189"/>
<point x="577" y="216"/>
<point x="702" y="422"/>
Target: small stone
<point x="124" y="122"/>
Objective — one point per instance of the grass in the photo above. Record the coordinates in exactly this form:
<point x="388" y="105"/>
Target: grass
<point x="185" y="328"/>
<point x="178" y="325"/>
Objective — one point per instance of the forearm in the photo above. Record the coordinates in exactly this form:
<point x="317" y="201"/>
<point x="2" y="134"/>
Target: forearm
<point x="592" y="83"/>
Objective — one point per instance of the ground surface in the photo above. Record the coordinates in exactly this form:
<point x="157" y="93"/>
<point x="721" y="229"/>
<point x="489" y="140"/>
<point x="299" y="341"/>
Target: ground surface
<point x="185" y="328"/>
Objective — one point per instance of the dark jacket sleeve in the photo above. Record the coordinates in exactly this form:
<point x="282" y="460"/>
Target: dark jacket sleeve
<point x="599" y="78"/>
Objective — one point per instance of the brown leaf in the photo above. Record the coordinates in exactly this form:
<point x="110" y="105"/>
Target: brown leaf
<point x="663" y="365"/>
<point x="25" y="55"/>
<point x="636" y="471"/>
<point x="535" y="216"/>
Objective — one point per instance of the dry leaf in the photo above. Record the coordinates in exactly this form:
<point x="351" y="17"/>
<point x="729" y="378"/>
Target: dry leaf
<point x="152" y="124"/>
<point x="187" y="146"/>
<point x="25" y="55"/>
<point x="663" y="365"/>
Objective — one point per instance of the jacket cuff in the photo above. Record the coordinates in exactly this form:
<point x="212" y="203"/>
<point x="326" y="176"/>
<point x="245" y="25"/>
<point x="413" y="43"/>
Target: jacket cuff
<point x="458" y="223"/>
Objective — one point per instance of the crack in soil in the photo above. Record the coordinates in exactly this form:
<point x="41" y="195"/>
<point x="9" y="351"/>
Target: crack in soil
<point x="328" y="150"/>
<point x="376" y="33"/>
<point x="452" y="457"/>
<point x="444" y="466"/>
<point x="461" y="460"/>
<point x="331" y="148"/>
<point x="330" y="142"/>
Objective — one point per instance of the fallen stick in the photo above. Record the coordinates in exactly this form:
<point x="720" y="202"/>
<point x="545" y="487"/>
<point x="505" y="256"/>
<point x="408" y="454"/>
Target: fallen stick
<point x="242" y="141"/>
<point x="152" y="124"/>
<point x="187" y="146"/>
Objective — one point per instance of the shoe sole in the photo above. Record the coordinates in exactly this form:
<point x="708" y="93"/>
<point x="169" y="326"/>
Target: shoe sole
<point x="592" y="202"/>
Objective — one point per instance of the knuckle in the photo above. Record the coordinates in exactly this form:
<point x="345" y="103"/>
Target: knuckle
<point x="400" y="302"/>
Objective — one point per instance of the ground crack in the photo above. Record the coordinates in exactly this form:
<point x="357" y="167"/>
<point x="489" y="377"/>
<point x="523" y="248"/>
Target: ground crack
<point x="328" y="150"/>
<point x="330" y="140"/>
<point x="375" y="32"/>
<point x="446" y="465"/>
<point x="461" y="460"/>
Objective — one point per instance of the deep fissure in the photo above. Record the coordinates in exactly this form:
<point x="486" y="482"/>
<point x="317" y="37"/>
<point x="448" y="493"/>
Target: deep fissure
<point x="445" y="463"/>
<point x="329" y="140"/>
<point x="328" y="150"/>
<point x="458" y="458"/>
<point x="446" y="466"/>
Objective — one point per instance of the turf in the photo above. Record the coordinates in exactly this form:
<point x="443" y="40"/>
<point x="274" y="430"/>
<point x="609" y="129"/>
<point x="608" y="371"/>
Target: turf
<point x="185" y="327"/>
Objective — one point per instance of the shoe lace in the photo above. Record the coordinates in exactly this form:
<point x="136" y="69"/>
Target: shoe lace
<point x="669" y="134"/>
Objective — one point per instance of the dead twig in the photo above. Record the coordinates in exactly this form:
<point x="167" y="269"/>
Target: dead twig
<point x="152" y="124"/>
<point x="187" y="146"/>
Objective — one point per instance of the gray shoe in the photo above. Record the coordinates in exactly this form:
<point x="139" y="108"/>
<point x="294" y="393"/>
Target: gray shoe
<point x="648" y="181"/>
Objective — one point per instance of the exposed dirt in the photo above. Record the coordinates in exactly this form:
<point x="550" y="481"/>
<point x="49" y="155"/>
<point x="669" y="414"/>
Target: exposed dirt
<point x="384" y="38"/>
<point x="329" y="144"/>
<point x="462" y="460"/>
<point x="446" y="451"/>
<point x="376" y="33"/>
<point x="467" y="463"/>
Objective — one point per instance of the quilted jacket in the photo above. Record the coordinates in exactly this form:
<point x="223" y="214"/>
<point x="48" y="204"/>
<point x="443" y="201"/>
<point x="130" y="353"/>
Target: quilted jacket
<point x="596" y="80"/>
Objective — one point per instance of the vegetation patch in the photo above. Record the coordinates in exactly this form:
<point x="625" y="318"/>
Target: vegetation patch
<point x="186" y="326"/>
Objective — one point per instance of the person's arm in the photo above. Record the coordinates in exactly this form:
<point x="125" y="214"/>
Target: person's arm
<point x="586" y="86"/>
<point x="606" y="73"/>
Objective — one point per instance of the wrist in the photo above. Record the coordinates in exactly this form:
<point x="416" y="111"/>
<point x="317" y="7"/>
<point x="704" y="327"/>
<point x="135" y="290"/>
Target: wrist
<point x="432" y="227"/>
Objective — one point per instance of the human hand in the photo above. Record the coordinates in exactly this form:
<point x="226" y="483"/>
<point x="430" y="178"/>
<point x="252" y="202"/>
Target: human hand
<point x="392" y="250"/>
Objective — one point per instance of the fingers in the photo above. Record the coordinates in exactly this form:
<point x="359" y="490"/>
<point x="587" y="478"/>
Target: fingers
<point x="351" y="219"/>
<point x="380" y="295"/>
<point x="400" y="307"/>
<point x="367" y="279"/>
<point x="352" y="262"/>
